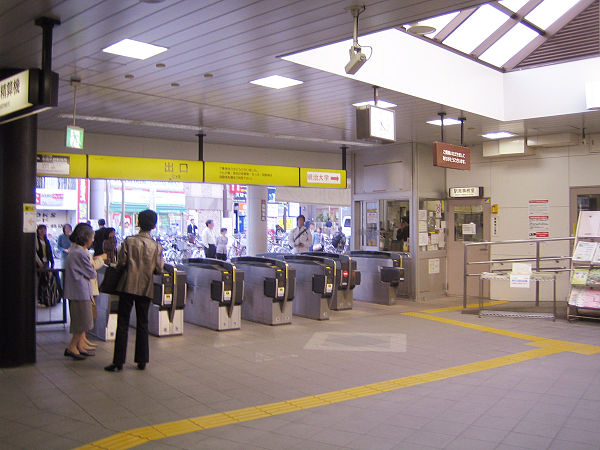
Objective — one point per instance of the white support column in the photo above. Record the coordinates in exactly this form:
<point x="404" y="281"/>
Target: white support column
<point x="98" y="200"/>
<point x="256" y="219"/>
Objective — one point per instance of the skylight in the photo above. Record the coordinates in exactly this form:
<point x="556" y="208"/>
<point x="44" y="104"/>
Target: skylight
<point x="134" y="49"/>
<point x="514" y="5"/>
<point x="438" y="22"/>
<point x="473" y="31"/>
<point x="509" y="45"/>
<point x="276" y="82"/>
<point x="549" y="11"/>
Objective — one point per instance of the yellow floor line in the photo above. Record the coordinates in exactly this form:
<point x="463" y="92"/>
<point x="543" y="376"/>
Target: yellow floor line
<point x="458" y="308"/>
<point x="545" y="347"/>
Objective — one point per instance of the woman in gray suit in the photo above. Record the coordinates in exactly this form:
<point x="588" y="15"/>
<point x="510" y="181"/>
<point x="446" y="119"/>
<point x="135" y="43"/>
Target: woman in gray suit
<point x="78" y="289"/>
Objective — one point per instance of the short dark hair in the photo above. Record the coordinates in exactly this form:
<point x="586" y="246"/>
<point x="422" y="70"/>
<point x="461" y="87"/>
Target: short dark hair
<point x="108" y="231"/>
<point x="81" y="234"/>
<point x="67" y="225"/>
<point x="147" y="220"/>
<point x="41" y="226"/>
<point x="209" y="221"/>
<point x="223" y="229"/>
<point x="301" y="216"/>
<point x="101" y="222"/>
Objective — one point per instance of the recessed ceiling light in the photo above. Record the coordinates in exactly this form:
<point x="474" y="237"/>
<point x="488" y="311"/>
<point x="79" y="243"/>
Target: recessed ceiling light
<point x="498" y="135"/>
<point x="447" y="121"/>
<point x="380" y="103"/>
<point x="134" y="49"/>
<point x="276" y="82"/>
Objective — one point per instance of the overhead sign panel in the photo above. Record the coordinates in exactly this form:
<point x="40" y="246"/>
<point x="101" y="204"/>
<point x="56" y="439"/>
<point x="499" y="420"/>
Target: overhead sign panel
<point x="218" y="172"/>
<point x="127" y="168"/>
<point x="451" y="156"/>
<point x="61" y="165"/>
<point x="14" y="93"/>
<point x="328" y="178"/>
<point x="466" y="192"/>
<point x="74" y="137"/>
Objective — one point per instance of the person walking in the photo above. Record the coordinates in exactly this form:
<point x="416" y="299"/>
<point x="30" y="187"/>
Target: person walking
<point x="209" y="240"/>
<point x="339" y="240"/>
<point x="78" y="289"/>
<point x="64" y="243"/>
<point x="222" y="245"/>
<point x="300" y="238"/>
<point x="318" y="240"/>
<point x="192" y="228"/>
<point x="140" y="256"/>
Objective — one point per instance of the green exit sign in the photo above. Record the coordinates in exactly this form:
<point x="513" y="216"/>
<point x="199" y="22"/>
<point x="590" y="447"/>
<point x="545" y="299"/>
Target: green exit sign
<point x="75" y="137"/>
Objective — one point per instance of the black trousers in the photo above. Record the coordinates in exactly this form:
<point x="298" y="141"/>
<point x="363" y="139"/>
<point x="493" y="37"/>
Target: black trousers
<point x="211" y="251"/>
<point x="222" y="256"/>
<point x="142" y="352"/>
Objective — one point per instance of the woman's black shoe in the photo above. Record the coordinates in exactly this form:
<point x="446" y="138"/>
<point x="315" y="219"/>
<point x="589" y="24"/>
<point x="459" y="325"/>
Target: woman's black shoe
<point x="141" y="366"/>
<point x="86" y="353"/>
<point x="75" y="356"/>
<point x="114" y="368"/>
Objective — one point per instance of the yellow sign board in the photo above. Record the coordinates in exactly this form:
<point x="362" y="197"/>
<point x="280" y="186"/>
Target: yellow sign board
<point x="327" y="178"/>
<point x="218" y="172"/>
<point x="152" y="169"/>
<point x="61" y="165"/>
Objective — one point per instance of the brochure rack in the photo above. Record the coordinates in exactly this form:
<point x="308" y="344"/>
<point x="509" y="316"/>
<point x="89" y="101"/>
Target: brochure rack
<point x="584" y="294"/>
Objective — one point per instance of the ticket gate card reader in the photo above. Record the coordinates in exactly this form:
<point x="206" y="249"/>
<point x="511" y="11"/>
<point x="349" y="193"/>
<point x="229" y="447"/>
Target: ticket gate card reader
<point x="270" y="286"/>
<point x="315" y="282"/>
<point x="382" y="275"/>
<point x="107" y="306"/>
<point x="215" y="294"/>
<point x="348" y="278"/>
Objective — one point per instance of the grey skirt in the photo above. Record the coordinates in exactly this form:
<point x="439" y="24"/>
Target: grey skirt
<point x="81" y="316"/>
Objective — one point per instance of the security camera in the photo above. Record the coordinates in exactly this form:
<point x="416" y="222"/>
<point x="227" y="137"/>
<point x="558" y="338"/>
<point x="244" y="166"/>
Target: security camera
<point x="357" y="59"/>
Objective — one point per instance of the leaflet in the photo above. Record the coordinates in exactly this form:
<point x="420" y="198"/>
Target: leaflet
<point x="584" y="251"/>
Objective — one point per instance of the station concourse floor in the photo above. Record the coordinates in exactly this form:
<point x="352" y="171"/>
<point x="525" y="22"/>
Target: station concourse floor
<point x="405" y="376"/>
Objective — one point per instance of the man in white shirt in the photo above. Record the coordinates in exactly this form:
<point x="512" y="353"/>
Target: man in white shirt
<point x="209" y="240"/>
<point x="300" y="238"/>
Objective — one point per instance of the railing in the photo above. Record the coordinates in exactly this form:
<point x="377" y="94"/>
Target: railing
<point x="538" y="259"/>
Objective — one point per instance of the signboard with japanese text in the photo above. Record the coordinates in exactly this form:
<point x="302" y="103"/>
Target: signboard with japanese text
<point x="451" y="156"/>
<point x="466" y="192"/>
<point x="127" y="168"/>
<point x="218" y="172"/>
<point x="83" y="196"/>
<point x="328" y="178"/>
<point x="61" y="164"/>
<point x="14" y="93"/>
<point x="539" y="219"/>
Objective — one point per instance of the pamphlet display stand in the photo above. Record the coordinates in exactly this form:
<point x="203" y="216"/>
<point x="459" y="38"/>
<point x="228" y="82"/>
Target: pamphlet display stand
<point x="584" y="296"/>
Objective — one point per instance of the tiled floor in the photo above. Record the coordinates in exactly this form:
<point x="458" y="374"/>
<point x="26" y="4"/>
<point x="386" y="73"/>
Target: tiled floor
<point x="550" y="402"/>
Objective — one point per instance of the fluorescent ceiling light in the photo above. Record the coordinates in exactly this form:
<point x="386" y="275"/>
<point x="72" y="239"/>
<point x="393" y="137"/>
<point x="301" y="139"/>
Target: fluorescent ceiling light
<point x="514" y="5"/>
<point x="276" y="82"/>
<point x="549" y="11"/>
<point x="473" y="31"/>
<point x="438" y="23"/>
<point x="447" y="121"/>
<point x="498" y="135"/>
<point x="134" y="49"/>
<point x="380" y="104"/>
<point x="509" y="45"/>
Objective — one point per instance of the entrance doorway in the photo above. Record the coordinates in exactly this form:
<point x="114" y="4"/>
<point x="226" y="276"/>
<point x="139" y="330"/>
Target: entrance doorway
<point x="582" y="199"/>
<point x="468" y="221"/>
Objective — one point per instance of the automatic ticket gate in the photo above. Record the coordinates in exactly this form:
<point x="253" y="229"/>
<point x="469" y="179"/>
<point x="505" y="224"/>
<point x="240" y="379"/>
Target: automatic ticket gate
<point x="215" y="293"/>
<point x="107" y="306"/>
<point x="381" y="276"/>
<point x="348" y="278"/>
<point x="165" y="315"/>
<point x="270" y="286"/>
<point x="315" y="283"/>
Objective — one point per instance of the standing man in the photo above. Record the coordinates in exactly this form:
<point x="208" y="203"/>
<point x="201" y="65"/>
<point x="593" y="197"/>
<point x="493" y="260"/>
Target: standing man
<point x="99" y="237"/>
<point x="192" y="228"/>
<point x="209" y="240"/>
<point x="300" y="238"/>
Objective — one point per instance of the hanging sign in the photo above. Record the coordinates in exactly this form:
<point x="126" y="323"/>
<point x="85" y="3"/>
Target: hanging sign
<point x="127" y="168"/>
<point x="327" y="178"/>
<point x="61" y="164"/>
<point x="74" y="137"/>
<point x="14" y="93"/>
<point x="466" y="192"/>
<point x="451" y="156"/>
<point x="219" y="172"/>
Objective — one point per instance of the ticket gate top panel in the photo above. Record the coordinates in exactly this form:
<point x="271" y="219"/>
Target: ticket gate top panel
<point x="349" y="276"/>
<point x="228" y="286"/>
<point x="281" y="285"/>
<point x="395" y="257"/>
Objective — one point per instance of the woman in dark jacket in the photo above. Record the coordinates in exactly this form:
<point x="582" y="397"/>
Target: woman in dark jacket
<point x="109" y="246"/>
<point x="140" y="256"/>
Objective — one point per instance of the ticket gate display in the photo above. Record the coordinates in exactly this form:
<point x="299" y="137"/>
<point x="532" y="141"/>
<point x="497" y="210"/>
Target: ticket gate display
<point x="107" y="306"/>
<point x="270" y="286"/>
<point x="315" y="282"/>
<point x="348" y="278"/>
<point x="381" y="276"/>
<point x="215" y="294"/>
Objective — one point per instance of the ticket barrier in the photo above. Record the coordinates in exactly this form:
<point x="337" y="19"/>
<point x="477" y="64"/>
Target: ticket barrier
<point x="382" y="275"/>
<point x="107" y="306"/>
<point x="270" y="286"/>
<point x="315" y="281"/>
<point x="165" y="315"/>
<point x="348" y="278"/>
<point x="215" y="294"/>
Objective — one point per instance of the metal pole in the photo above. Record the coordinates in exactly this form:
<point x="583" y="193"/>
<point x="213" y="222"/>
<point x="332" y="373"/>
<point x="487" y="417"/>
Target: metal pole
<point x="465" y="278"/>
<point x="123" y="209"/>
<point x="344" y="148"/>
<point x="201" y="146"/>
<point x="442" y="114"/>
<point x="462" y="129"/>
<point x="47" y="24"/>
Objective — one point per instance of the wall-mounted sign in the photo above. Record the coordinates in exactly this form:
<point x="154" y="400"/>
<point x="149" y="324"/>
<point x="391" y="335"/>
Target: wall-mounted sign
<point x="539" y="219"/>
<point x="322" y="178"/>
<point x="74" y="137"/>
<point x="451" y="156"/>
<point x="466" y="192"/>
<point x="83" y="196"/>
<point x="218" y="172"/>
<point x="61" y="164"/>
<point x="126" y="168"/>
<point x="14" y="93"/>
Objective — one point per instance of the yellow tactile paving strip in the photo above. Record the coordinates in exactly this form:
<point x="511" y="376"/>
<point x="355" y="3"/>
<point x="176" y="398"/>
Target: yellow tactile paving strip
<point x="545" y="347"/>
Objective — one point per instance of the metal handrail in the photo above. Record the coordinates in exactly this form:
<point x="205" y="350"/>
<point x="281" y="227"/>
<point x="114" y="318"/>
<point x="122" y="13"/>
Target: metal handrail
<point x="538" y="259"/>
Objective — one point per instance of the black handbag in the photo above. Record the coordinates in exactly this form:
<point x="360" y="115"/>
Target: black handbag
<point x="112" y="276"/>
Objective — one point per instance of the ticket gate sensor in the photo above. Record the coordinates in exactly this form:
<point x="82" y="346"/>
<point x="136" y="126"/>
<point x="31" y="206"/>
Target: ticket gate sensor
<point x="381" y="276"/>
<point x="107" y="306"/>
<point x="348" y="278"/>
<point x="315" y="281"/>
<point x="215" y="294"/>
<point x="270" y="286"/>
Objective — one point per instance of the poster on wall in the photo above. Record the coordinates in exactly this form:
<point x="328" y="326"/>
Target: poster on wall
<point x="539" y="219"/>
